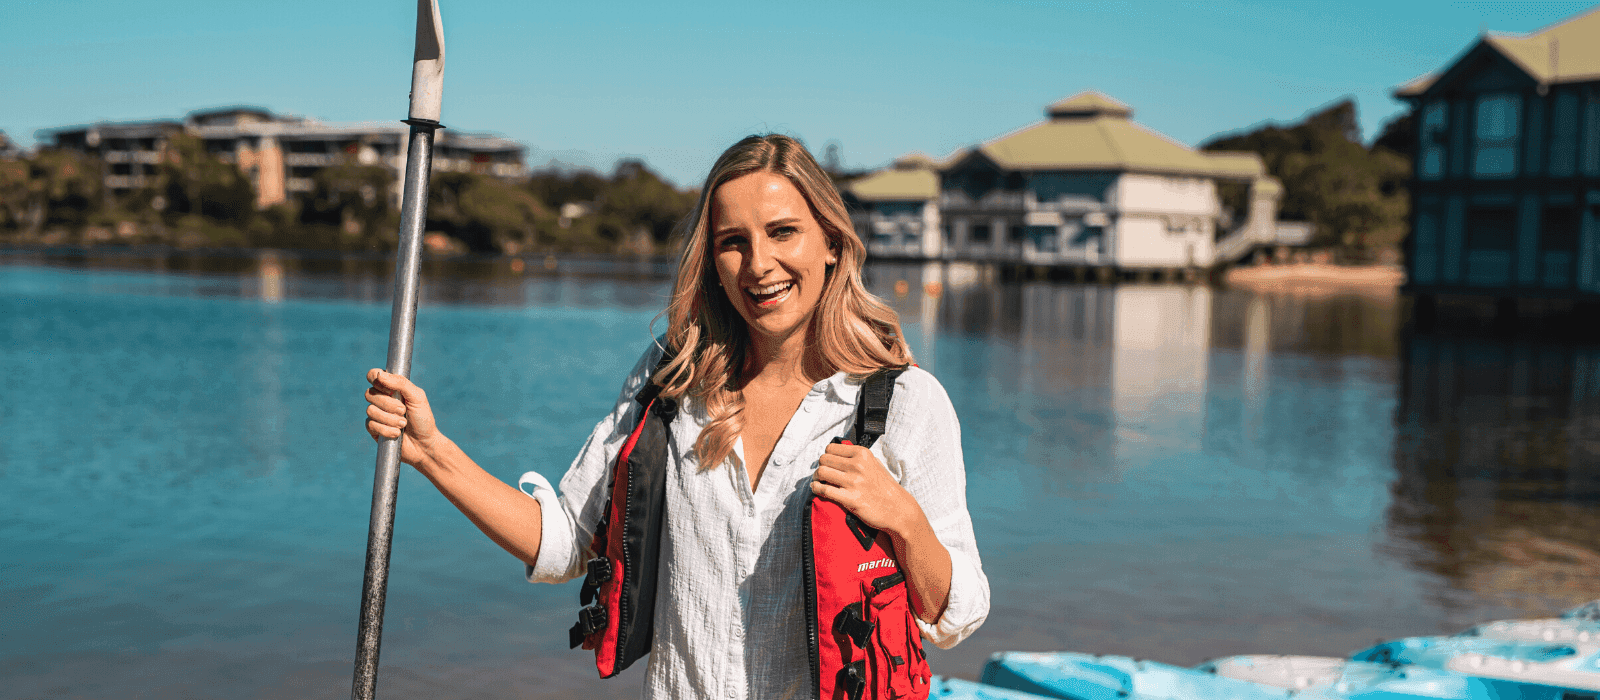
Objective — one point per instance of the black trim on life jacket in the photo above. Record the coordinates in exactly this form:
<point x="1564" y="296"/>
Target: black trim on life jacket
<point x="619" y="591"/>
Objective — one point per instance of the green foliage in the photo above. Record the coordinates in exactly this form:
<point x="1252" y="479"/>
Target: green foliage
<point x="633" y="210"/>
<point x="192" y="181"/>
<point x="1354" y="195"/>
<point x="50" y="190"/>
<point x="489" y="215"/>
<point x="192" y="198"/>
<point x="352" y="200"/>
<point x="638" y="200"/>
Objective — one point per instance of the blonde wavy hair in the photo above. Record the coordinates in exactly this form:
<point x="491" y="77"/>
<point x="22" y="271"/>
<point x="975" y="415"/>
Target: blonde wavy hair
<point x="850" y="330"/>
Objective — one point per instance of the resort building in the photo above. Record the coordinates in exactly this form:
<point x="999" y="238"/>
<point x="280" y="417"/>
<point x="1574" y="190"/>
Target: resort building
<point x="1087" y="187"/>
<point x="1507" y="171"/>
<point x="281" y="154"/>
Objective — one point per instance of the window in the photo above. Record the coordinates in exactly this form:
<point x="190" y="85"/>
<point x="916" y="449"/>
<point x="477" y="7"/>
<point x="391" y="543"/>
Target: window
<point x="1490" y="228"/>
<point x="1564" y="134"/>
<point x="1591" y="135"/>
<point x="1091" y="238"/>
<point x="1495" y="143"/>
<point x="979" y="233"/>
<point x="1431" y="141"/>
<point x="1559" y="229"/>
<point x="1043" y="238"/>
<point x="1015" y="233"/>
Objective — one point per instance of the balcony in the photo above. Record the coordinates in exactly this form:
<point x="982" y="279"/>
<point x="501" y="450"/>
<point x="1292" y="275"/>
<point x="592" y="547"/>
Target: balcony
<point x="994" y="200"/>
<point x="310" y="159"/>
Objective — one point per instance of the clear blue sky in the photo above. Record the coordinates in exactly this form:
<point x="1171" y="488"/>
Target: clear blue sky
<point x="590" y="82"/>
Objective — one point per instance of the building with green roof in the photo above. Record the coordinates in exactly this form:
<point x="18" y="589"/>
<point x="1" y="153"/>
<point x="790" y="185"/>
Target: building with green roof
<point x="1085" y="187"/>
<point x="1506" y="197"/>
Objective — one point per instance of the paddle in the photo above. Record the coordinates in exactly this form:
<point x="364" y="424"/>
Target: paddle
<point x="427" y="86"/>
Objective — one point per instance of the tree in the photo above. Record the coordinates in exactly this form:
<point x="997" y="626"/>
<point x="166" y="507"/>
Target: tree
<point x="1355" y="196"/>
<point x="483" y="212"/>
<point x="1399" y="135"/>
<point x="354" y="199"/>
<point x="194" y="182"/>
<point x="53" y="189"/>
<point x="638" y="200"/>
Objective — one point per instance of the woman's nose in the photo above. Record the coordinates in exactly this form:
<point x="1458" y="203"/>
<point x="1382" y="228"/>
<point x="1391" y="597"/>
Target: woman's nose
<point x="761" y="260"/>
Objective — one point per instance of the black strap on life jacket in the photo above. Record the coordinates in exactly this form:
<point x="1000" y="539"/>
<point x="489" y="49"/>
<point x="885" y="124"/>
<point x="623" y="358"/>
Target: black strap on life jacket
<point x="872" y="410"/>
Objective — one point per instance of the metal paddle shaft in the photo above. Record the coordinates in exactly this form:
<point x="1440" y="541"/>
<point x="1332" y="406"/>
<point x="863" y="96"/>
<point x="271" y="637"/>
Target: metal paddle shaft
<point x="426" y="85"/>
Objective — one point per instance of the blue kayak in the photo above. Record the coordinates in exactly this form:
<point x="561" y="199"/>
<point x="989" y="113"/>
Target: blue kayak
<point x="1085" y="677"/>
<point x="1580" y="624"/>
<point x="1543" y="659"/>
<point x="941" y="688"/>
<point x="1089" y="677"/>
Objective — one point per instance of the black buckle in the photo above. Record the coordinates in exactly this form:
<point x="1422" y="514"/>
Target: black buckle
<point x="667" y="408"/>
<point x="865" y="534"/>
<point x="853" y="678"/>
<point x="849" y="623"/>
<point x="590" y="620"/>
<point x="599" y="572"/>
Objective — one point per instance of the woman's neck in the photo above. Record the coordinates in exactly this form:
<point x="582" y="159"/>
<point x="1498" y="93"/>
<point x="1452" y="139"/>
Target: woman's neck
<point x="781" y="361"/>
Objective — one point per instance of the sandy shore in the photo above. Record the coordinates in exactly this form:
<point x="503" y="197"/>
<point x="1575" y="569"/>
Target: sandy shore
<point x="1317" y="278"/>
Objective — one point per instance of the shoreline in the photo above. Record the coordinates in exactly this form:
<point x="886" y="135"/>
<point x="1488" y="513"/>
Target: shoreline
<point x="1317" y="279"/>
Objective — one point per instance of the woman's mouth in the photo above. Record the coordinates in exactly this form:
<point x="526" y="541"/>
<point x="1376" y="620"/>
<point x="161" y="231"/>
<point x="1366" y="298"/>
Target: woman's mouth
<point x="770" y="294"/>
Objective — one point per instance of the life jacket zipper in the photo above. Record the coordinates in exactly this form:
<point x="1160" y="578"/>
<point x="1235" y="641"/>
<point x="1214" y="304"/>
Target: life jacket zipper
<point x="808" y="560"/>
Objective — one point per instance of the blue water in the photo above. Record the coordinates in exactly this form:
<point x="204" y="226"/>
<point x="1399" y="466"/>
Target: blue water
<point x="187" y="481"/>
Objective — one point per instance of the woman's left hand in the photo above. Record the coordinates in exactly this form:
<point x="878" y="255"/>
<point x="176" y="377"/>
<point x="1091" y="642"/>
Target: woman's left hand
<point x="851" y="476"/>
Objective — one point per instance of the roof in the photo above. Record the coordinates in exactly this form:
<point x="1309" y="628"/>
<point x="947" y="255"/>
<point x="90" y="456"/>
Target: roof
<point x="1565" y="52"/>
<point x="915" y="160"/>
<point x="1087" y="104"/>
<point x="1103" y="138"/>
<point x="897" y="184"/>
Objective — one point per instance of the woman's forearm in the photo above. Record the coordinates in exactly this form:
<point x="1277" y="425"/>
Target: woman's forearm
<point x="926" y="564"/>
<point x="503" y="512"/>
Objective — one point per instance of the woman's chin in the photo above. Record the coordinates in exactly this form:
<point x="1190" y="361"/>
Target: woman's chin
<point x="774" y="326"/>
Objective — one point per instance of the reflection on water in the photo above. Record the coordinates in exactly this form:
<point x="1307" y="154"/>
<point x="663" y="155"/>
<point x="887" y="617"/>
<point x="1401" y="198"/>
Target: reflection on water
<point x="1496" y="486"/>
<point x="1172" y="472"/>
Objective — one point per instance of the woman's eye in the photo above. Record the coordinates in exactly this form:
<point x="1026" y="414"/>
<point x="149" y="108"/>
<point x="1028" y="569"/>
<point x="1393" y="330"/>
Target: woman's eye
<point x="727" y="242"/>
<point x="784" y="231"/>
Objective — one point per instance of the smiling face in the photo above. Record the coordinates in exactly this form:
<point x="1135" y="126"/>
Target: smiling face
<point x="771" y="255"/>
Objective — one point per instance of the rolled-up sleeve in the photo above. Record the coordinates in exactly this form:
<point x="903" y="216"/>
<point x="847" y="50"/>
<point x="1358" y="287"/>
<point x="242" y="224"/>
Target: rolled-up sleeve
<point x="570" y="517"/>
<point x="922" y="448"/>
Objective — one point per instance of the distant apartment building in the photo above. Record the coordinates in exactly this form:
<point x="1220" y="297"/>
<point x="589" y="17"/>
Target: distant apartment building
<point x="1086" y="187"/>
<point x="281" y="154"/>
<point x="1506" y="196"/>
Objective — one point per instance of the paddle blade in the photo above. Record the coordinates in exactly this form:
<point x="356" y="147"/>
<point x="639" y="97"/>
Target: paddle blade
<point x="427" y="68"/>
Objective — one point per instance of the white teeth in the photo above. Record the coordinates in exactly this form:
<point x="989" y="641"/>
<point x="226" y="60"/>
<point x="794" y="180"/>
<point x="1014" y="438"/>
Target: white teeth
<point x="769" y="289"/>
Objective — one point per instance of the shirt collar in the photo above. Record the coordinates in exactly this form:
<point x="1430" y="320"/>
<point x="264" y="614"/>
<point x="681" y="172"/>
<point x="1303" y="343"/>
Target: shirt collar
<point x="840" y="388"/>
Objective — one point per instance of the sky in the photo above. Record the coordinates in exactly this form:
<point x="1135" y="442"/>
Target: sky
<point x="587" y="83"/>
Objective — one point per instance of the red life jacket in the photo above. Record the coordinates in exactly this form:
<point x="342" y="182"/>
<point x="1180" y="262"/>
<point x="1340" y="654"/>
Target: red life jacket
<point x="854" y="589"/>
<point x="627" y="542"/>
<point x="863" y="636"/>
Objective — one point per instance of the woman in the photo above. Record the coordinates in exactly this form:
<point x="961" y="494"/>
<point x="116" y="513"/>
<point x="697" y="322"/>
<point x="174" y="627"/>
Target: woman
<point x="772" y="334"/>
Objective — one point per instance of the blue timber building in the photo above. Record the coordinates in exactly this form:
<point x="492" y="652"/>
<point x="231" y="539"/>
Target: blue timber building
<point x="1506" y="189"/>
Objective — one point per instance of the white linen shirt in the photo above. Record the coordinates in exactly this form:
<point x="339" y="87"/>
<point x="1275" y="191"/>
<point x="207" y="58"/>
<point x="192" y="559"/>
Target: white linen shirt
<point x="730" y="609"/>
